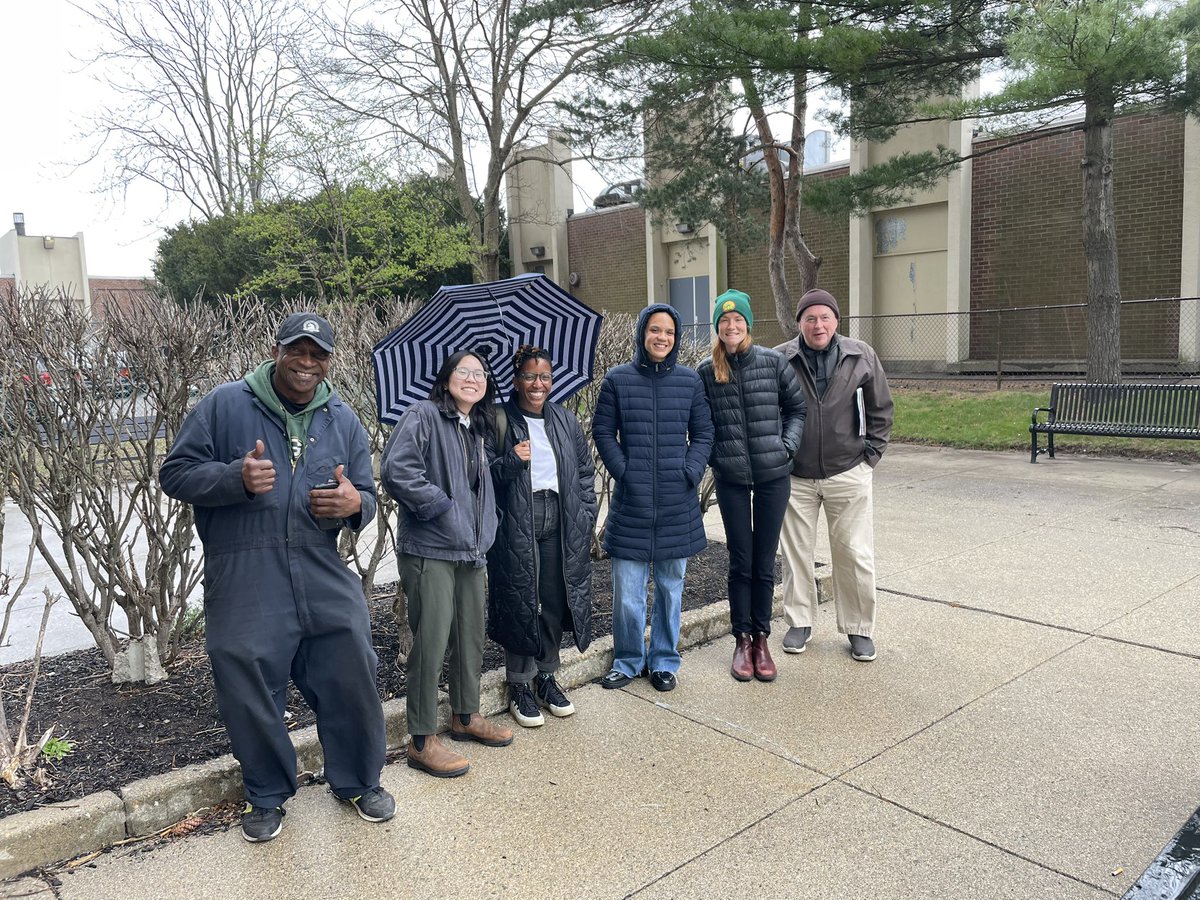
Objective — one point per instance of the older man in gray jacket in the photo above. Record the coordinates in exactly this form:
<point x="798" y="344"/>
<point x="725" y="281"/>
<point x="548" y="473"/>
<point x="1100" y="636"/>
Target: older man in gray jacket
<point x="847" y="428"/>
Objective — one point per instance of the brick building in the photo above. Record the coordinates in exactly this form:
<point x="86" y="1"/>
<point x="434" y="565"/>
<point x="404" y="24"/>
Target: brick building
<point x="1002" y="232"/>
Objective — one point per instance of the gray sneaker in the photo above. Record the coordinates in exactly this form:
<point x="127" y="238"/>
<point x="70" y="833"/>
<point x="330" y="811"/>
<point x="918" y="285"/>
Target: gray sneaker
<point x="373" y="805"/>
<point x="796" y="639"/>
<point x="862" y="648"/>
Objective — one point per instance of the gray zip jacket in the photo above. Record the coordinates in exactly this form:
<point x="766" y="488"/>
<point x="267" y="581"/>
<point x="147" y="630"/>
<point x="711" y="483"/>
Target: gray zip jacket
<point x="424" y="467"/>
<point x="837" y="436"/>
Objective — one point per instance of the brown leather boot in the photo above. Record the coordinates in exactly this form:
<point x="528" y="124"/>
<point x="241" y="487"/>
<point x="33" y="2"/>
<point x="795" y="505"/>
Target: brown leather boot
<point x="760" y="655"/>
<point x="742" y="668"/>
<point x="437" y="759"/>
<point x="481" y="730"/>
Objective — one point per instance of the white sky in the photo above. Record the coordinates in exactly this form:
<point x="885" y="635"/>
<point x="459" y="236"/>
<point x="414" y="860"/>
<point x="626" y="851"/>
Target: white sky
<point x="45" y="98"/>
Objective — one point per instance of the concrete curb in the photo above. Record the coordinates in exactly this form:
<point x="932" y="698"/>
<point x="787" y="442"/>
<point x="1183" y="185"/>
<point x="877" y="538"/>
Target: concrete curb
<point x="143" y="807"/>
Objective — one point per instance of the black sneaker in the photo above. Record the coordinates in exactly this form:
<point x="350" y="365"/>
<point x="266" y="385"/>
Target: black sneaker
<point x="551" y="694"/>
<point x="374" y="805"/>
<point x="663" y="681"/>
<point x="523" y="706"/>
<point x="261" y="823"/>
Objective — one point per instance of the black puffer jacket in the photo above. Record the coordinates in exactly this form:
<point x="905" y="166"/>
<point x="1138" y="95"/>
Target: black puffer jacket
<point x="512" y="573"/>
<point x="758" y="414"/>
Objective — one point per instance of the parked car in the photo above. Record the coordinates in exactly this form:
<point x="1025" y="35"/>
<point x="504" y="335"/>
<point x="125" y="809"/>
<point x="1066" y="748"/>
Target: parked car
<point x="619" y="193"/>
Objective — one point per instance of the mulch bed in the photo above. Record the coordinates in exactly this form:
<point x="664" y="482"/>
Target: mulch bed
<point x="126" y="732"/>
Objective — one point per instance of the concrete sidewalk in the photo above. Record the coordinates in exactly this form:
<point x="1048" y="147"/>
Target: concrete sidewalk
<point x="1028" y="731"/>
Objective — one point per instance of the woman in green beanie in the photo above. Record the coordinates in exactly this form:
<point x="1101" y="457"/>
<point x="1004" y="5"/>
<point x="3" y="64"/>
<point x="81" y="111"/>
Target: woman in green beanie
<point x="758" y="413"/>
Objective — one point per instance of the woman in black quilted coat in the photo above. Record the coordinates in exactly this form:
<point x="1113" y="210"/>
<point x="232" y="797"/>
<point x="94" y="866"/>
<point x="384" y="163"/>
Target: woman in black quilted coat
<point x="540" y="567"/>
<point x="758" y="413"/>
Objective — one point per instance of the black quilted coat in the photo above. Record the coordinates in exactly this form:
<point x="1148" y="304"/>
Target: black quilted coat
<point x="512" y="573"/>
<point x="758" y="415"/>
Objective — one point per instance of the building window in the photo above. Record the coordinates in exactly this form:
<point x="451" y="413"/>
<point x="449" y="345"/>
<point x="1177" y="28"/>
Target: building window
<point x="689" y="296"/>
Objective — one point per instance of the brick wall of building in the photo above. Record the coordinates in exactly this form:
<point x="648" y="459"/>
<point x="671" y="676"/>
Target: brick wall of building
<point x="827" y="236"/>
<point x="607" y="250"/>
<point x="108" y="292"/>
<point x="1027" y="237"/>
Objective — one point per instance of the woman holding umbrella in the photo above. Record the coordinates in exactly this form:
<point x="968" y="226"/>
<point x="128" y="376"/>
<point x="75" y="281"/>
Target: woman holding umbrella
<point x="539" y="568"/>
<point x="435" y="466"/>
<point x="758" y="411"/>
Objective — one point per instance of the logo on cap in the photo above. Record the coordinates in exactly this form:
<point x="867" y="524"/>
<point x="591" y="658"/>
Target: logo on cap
<point x="311" y="326"/>
<point x="728" y="305"/>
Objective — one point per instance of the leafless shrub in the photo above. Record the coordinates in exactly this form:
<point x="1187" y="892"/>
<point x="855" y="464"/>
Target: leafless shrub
<point x="18" y="756"/>
<point x="92" y="409"/>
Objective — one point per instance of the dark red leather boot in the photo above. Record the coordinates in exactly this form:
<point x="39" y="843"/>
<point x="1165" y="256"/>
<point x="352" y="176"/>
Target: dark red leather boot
<point x="760" y="657"/>
<point x="743" y="667"/>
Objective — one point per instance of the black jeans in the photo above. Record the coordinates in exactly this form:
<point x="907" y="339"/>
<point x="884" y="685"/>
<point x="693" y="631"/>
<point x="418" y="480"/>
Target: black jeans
<point x="753" y="516"/>
<point x="552" y="593"/>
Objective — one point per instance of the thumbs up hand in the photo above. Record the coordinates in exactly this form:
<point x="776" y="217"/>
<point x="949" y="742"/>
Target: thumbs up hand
<point x="258" y="474"/>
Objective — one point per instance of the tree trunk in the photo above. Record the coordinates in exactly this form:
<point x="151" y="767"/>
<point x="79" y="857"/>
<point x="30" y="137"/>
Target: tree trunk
<point x="776" y="256"/>
<point x="807" y="263"/>
<point x="1100" y="248"/>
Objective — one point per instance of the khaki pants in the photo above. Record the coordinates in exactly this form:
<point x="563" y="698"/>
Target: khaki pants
<point x="848" y="510"/>
<point x="445" y="606"/>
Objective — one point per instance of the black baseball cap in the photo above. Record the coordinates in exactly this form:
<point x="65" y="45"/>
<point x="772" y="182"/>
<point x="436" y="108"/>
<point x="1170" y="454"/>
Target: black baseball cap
<point x="306" y="325"/>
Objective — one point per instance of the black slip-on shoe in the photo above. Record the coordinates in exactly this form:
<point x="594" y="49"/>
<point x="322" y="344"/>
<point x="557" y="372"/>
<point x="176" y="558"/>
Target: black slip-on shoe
<point x="663" y="681"/>
<point x="615" y="679"/>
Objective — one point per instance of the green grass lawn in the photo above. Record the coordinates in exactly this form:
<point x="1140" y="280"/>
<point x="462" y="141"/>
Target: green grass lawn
<point x="999" y="420"/>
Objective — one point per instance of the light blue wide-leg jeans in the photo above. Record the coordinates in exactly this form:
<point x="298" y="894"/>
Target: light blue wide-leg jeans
<point x="630" y="579"/>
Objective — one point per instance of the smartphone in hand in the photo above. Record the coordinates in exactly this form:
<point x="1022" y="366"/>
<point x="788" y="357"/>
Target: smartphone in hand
<point x="328" y="524"/>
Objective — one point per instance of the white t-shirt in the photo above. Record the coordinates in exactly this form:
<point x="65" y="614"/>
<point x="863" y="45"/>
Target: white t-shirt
<point x="543" y="469"/>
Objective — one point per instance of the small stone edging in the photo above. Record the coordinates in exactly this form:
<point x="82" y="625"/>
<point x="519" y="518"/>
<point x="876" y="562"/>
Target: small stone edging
<point x="66" y="830"/>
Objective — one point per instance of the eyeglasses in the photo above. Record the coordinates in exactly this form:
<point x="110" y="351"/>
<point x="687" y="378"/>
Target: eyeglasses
<point x="470" y="374"/>
<point x="531" y="377"/>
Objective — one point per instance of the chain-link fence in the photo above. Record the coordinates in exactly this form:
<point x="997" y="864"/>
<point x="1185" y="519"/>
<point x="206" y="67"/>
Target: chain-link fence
<point x="1159" y="338"/>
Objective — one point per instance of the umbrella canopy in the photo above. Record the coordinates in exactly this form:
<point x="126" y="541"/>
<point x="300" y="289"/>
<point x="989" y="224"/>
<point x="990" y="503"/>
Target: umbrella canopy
<point x="492" y="320"/>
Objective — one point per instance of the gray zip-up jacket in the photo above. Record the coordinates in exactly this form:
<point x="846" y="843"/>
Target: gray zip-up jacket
<point x="424" y="467"/>
<point x="837" y="436"/>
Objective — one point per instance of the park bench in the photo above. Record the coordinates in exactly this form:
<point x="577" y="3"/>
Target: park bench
<point x="1117" y="410"/>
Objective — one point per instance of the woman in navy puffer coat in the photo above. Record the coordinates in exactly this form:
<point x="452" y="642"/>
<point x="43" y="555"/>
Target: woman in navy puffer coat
<point x="653" y="431"/>
<point x="758" y="411"/>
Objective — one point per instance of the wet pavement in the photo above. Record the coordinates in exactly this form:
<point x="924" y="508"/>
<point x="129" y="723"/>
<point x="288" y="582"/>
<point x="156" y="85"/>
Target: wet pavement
<point x="1027" y="731"/>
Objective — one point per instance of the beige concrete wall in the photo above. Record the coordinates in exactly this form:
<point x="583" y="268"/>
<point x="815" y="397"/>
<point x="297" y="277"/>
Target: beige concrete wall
<point x="915" y="258"/>
<point x="539" y="197"/>
<point x="1189" y="264"/>
<point x="56" y="265"/>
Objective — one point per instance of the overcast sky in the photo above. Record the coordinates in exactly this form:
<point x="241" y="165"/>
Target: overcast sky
<point x="46" y="97"/>
<point x="44" y="103"/>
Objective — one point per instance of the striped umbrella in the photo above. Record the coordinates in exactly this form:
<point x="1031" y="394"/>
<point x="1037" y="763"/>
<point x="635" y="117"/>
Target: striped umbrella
<point x="492" y="320"/>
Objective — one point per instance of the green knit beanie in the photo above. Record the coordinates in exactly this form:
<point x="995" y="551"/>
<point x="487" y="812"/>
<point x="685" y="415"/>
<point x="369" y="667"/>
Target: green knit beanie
<point x="733" y="301"/>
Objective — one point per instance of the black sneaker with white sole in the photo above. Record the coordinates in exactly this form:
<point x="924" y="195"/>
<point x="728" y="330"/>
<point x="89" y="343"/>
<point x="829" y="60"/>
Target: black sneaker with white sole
<point x="523" y="705"/>
<point x="549" y="693"/>
<point x="374" y="805"/>
<point x="261" y="823"/>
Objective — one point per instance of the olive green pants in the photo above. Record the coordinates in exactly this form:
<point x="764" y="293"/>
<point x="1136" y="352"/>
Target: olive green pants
<point x="445" y="608"/>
